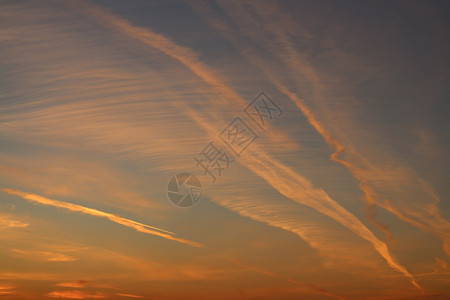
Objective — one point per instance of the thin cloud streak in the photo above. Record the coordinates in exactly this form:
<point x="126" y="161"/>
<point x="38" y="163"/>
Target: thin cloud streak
<point x="7" y="289"/>
<point x="7" y="222"/>
<point x="76" y="295"/>
<point x="73" y="284"/>
<point x="130" y="296"/>
<point x="45" y="255"/>
<point x="94" y="212"/>
<point x="80" y="284"/>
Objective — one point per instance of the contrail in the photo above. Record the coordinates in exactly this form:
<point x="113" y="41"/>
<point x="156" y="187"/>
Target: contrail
<point x="97" y="213"/>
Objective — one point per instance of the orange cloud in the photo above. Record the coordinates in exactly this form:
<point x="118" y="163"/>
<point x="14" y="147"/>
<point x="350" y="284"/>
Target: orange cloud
<point x="85" y="283"/>
<point x="7" y="222"/>
<point x="65" y="175"/>
<point x="94" y="212"/>
<point x="129" y="296"/>
<point x="76" y="295"/>
<point x="7" y="289"/>
<point x="45" y="255"/>
<point x="441" y="266"/>
<point x="73" y="284"/>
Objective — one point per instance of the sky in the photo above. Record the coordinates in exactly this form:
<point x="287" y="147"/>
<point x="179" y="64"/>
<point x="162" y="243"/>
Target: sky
<point x="308" y="142"/>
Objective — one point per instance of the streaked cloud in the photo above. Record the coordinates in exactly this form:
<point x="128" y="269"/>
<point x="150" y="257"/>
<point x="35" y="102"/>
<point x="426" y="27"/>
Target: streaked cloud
<point x="74" y="284"/>
<point x="44" y="255"/>
<point x="7" y="222"/>
<point x="94" y="212"/>
<point x="75" y="294"/>
<point x="129" y="296"/>
<point x="80" y="284"/>
<point x="6" y="289"/>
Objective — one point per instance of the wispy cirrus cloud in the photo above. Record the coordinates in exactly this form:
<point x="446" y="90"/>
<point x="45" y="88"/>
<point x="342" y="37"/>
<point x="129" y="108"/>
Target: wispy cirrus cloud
<point x="81" y="284"/>
<point x="94" y="212"/>
<point x="74" y="284"/>
<point x="129" y="296"/>
<point x="76" y="294"/>
<point x="279" y="176"/>
<point x="50" y="109"/>
<point x="65" y="175"/>
<point x="72" y="118"/>
<point x="9" y="222"/>
<point x="44" y="255"/>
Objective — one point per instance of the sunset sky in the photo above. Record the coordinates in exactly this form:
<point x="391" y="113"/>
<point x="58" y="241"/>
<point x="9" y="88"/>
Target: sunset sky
<point x="339" y="191"/>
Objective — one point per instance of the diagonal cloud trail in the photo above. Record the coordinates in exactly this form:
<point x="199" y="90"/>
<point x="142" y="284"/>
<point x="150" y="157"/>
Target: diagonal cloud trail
<point x="279" y="176"/>
<point x="97" y="213"/>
